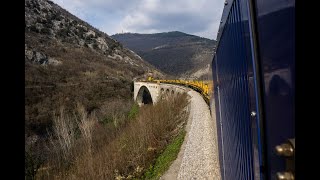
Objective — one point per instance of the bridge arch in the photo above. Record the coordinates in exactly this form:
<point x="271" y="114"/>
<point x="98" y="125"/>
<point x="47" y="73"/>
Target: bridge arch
<point x="144" y="96"/>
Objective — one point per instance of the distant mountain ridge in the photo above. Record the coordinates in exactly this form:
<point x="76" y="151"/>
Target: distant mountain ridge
<point x="175" y="52"/>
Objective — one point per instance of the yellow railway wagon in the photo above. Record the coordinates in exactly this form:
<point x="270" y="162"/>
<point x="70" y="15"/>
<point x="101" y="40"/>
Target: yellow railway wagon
<point x="203" y="87"/>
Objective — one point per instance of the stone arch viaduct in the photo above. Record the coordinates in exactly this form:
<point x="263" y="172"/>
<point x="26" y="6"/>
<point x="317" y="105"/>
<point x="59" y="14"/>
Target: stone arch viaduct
<point x="150" y="92"/>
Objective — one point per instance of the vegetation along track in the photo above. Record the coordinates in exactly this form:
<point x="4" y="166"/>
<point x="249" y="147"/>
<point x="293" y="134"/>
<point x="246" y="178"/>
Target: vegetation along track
<point x="198" y="157"/>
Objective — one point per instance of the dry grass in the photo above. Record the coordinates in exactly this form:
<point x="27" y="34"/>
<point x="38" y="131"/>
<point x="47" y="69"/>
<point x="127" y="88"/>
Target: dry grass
<point x="64" y="130"/>
<point x="122" y="148"/>
<point x="84" y="76"/>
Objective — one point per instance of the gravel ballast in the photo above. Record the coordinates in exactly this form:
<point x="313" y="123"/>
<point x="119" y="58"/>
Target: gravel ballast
<point x="198" y="157"/>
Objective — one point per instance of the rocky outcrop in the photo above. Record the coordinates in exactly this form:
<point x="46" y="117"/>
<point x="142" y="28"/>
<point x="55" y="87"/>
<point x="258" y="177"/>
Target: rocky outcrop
<point x="45" y="18"/>
<point x="39" y="58"/>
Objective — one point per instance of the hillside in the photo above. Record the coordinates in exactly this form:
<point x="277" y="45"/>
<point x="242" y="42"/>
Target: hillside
<point x="67" y="61"/>
<point x="175" y="53"/>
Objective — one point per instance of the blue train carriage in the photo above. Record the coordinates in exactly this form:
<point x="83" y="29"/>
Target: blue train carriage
<point x="253" y="71"/>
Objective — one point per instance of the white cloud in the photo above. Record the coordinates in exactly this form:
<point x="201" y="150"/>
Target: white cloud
<point x="200" y="17"/>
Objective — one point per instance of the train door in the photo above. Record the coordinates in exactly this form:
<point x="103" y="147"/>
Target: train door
<point x="275" y="26"/>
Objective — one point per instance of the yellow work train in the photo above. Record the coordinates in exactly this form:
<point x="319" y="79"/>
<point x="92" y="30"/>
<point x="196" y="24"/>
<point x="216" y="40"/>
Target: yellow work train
<point x="203" y="87"/>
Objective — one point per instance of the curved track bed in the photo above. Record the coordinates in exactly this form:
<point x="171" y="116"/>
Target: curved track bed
<point x="198" y="157"/>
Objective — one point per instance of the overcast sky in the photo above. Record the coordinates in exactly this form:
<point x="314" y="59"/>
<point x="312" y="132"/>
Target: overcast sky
<point x="198" y="17"/>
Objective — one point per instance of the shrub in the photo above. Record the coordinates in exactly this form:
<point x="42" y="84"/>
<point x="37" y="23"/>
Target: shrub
<point x="34" y="28"/>
<point x="45" y="30"/>
<point x="95" y="46"/>
<point x="63" y="32"/>
<point x="134" y="111"/>
<point x="164" y="161"/>
<point x="64" y="131"/>
<point x="123" y="150"/>
<point x="32" y="163"/>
